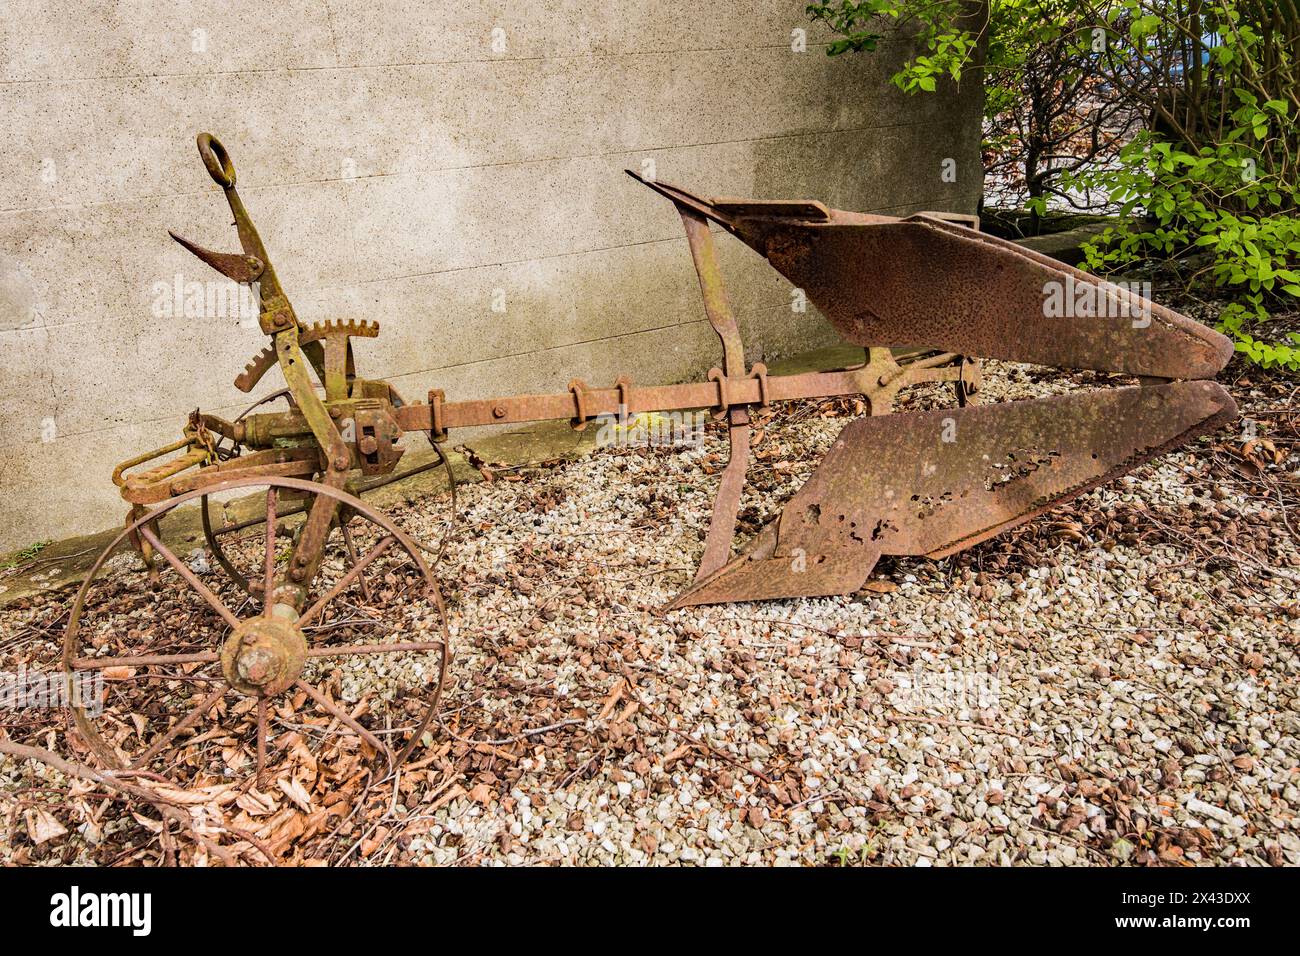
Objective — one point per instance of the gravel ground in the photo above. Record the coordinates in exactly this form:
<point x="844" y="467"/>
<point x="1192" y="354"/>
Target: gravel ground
<point x="1113" y="683"/>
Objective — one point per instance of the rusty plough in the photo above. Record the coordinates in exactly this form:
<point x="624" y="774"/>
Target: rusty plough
<point x="922" y="483"/>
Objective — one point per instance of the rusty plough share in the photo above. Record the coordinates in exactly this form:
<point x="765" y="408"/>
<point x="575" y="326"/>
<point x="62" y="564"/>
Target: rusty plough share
<point x="922" y="483"/>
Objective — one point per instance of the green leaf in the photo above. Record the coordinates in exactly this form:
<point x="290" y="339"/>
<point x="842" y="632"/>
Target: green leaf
<point x="1144" y="26"/>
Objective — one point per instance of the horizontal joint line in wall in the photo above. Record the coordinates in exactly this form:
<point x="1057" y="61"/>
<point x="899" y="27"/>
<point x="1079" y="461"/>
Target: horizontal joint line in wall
<point x="292" y="184"/>
<point x="401" y="64"/>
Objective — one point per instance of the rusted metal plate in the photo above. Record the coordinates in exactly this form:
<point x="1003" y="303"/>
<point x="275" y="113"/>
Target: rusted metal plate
<point x="933" y="483"/>
<point x="921" y="281"/>
<point x="925" y="282"/>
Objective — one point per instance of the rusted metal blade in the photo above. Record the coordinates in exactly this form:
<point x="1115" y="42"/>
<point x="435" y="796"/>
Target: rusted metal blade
<point x="932" y="483"/>
<point x="924" y="281"/>
<point x="921" y="281"/>
<point x="233" y="265"/>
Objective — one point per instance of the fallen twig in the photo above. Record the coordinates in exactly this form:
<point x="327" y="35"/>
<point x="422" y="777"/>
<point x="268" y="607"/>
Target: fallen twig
<point x="169" y="809"/>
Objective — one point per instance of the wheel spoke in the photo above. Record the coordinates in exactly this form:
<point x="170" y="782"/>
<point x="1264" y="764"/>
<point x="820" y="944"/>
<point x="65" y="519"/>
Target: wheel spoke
<point x="182" y="725"/>
<point x="270" y="550"/>
<point x="143" y="660"/>
<point x="261" y="739"/>
<point x="352" y="556"/>
<point x="190" y="577"/>
<point x="343" y="717"/>
<point x="371" y="555"/>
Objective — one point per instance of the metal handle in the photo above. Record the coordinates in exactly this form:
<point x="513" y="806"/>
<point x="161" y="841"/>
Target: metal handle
<point x="222" y="171"/>
<point x="119" y="471"/>
<point x="215" y="157"/>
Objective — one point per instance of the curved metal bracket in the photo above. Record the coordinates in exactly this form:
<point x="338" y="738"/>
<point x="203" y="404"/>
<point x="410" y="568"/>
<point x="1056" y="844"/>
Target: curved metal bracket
<point x="579" y="390"/>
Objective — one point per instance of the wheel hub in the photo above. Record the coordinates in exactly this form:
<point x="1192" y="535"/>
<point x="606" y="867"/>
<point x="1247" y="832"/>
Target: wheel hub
<point x="263" y="656"/>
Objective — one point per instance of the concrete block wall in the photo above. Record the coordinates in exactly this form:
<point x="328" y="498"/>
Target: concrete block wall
<point x="413" y="163"/>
